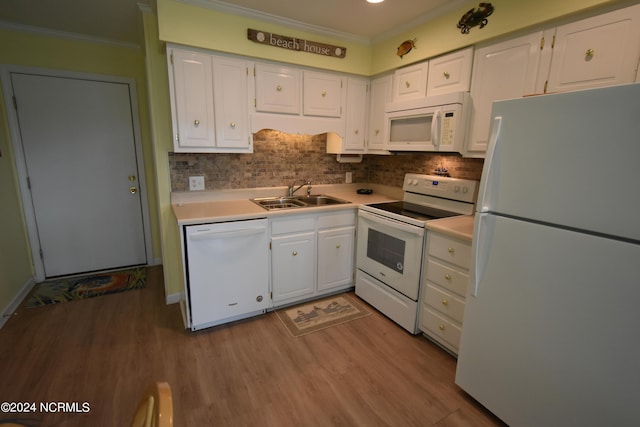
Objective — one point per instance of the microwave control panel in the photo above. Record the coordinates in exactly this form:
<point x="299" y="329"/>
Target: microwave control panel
<point x="448" y="126"/>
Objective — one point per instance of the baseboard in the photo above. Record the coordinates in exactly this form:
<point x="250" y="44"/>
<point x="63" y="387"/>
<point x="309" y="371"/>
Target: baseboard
<point x="16" y="301"/>
<point x="173" y="298"/>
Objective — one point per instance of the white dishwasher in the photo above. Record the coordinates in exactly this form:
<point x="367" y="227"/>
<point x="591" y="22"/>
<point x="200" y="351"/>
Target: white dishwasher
<point x="227" y="271"/>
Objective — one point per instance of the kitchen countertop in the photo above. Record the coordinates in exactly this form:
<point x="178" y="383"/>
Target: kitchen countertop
<point x="232" y="205"/>
<point x="457" y="226"/>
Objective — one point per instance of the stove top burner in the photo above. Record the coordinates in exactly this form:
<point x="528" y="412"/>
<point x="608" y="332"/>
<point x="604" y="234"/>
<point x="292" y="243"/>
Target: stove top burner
<point x="412" y="210"/>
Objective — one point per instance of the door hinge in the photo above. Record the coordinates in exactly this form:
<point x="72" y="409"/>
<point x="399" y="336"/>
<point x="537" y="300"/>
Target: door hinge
<point x="171" y="57"/>
<point x="546" y="83"/>
<point x="270" y="246"/>
<point x="542" y="43"/>
<point x="553" y="41"/>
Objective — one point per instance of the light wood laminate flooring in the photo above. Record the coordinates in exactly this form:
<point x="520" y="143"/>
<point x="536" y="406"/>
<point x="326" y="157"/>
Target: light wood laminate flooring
<point x="106" y="350"/>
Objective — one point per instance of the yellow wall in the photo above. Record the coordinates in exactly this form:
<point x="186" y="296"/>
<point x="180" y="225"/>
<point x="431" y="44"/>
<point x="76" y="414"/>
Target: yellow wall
<point x="33" y="50"/>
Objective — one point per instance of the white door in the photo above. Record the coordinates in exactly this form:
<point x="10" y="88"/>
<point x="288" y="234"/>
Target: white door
<point x="78" y="141"/>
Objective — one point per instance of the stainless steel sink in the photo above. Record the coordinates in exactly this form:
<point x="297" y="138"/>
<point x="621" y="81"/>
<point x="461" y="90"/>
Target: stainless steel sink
<point x="321" y="199"/>
<point x="273" y="203"/>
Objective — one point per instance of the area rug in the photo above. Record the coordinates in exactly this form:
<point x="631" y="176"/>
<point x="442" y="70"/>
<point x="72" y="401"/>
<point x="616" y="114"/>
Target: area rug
<point x="314" y="316"/>
<point x="61" y="290"/>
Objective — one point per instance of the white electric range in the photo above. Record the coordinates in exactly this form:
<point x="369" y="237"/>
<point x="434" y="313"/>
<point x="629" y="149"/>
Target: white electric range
<point x="392" y="240"/>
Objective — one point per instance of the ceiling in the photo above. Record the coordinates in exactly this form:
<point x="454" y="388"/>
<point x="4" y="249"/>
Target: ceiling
<point x="119" y="20"/>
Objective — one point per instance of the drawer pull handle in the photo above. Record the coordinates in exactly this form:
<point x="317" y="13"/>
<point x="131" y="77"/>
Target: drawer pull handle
<point x="279" y="88"/>
<point x="447" y="277"/>
<point x="233" y="125"/>
<point x="324" y="93"/>
<point x="338" y="246"/>
<point x="446" y="75"/>
<point x="441" y="327"/>
<point x="408" y="83"/>
<point x="294" y="253"/>
<point x="445" y="302"/>
<point x="589" y="53"/>
<point x="451" y="250"/>
<point x="196" y="123"/>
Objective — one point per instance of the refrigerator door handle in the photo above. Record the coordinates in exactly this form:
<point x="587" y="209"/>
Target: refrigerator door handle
<point x="480" y="247"/>
<point x="490" y="174"/>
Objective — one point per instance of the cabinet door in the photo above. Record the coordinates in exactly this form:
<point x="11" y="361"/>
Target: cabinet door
<point x="356" y="117"/>
<point x="335" y="257"/>
<point x="501" y="71"/>
<point x="379" y="95"/>
<point x="193" y="112"/>
<point x="450" y="73"/>
<point x="231" y="103"/>
<point x="322" y="94"/>
<point x="595" y="52"/>
<point x="410" y="82"/>
<point x="277" y="89"/>
<point x="293" y="260"/>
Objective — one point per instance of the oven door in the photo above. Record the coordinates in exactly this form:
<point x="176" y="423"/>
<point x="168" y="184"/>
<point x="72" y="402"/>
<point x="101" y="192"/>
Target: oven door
<point x="390" y="251"/>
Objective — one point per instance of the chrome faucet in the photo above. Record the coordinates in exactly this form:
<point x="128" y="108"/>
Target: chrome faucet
<point x="293" y="190"/>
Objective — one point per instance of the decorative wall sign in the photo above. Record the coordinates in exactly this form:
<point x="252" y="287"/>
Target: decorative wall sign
<point x="292" y="43"/>
<point x="475" y="17"/>
<point x="405" y="47"/>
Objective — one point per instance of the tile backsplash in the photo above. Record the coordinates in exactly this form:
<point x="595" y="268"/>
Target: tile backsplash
<point x="280" y="158"/>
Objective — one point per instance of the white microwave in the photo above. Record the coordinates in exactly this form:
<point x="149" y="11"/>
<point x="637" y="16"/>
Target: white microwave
<point x="436" y="123"/>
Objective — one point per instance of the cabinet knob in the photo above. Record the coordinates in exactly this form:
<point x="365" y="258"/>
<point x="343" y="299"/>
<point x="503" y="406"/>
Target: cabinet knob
<point x="294" y="253"/>
<point x="133" y="190"/>
<point x="447" y="277"/>
<point x="407" y="83"/>
<point x="196" y="123"/>
<point x="259" y="298"/>
<point x="441" y="327"/>
<point x="589" y="54"/>
<point x="446" y="74"/>
<point x="445" y="302"/>
<point x="338" y="246"/>
<point x="357" y="131"/>
<point x="132" y="178"/>
<point x="377" y="131"/>
<point x="279" y="88"/>
<point x="451" y="250"/>
<point x="324" y="93"/>
<point x="233" y="125"/>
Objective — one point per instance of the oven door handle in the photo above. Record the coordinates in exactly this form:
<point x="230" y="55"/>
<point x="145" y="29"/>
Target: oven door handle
<point x="391" y="223"/>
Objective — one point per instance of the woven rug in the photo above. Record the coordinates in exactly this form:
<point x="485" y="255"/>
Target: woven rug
<point x="65" y="289"/>
<point x="321" y="314"/>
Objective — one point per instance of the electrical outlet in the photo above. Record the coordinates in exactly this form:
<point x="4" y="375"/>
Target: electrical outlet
<point x="196" y="183"/>
<point x="348" y="177"/>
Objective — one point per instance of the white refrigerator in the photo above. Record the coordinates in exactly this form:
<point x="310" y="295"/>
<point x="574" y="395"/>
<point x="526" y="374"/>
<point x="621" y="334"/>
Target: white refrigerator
<point x="551" y="332"/>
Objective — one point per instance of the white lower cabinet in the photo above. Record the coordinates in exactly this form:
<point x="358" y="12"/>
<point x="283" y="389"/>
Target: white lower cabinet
<point x="311" y="255"/>
<point x="444" y="289"/>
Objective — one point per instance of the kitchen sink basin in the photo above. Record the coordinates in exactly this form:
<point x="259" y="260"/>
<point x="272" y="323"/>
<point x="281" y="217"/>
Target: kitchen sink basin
<point x="273" y="203"/>
<point x="321" y="199"/>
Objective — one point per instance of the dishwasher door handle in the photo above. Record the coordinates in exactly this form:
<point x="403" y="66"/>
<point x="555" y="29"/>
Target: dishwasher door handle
<point x="213" y="234"/>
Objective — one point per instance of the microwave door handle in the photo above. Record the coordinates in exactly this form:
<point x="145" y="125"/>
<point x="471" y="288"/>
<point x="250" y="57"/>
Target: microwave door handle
<point x="435" y="129"/>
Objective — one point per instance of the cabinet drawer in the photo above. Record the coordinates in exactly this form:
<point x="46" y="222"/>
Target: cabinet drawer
<point x="438" y="327"/>
<point x="410" y="82"/>
<point x="450" y="73"/>
<point x="293" y="225"/>
<point x="447" y="277"/>
<point x="341" y="219"/>
<point x="444" y="302"/>
<point x="454" y="251"/>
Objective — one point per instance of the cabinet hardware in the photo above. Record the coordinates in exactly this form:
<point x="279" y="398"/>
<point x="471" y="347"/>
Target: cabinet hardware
<point x="451" y="250"/>
<point x="408" y="83"/>
<point x="589" y="54"/>
<point x="279" y="88"/>
<point x="294" y="253"/>
<point x="233" y="125"/>
<point x="446" y="75"/>
<point x="445" y="302"/>
<point x="324" y="93"/>
<point x="133" y="190"/>
<point x="447" y="277"/>
<point x="132" y="178"/>
<point x="441" y="327"/>
<point x="196" y="123"/>
<point x="338" y="246"/>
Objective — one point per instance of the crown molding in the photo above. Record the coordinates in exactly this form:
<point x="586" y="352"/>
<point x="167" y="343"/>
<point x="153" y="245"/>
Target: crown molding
<point x="221" y="6"/>
<point x="4" y="25"/>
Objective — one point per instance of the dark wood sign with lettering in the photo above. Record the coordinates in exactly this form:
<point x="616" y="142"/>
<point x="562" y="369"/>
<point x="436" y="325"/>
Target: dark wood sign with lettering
<point x="292" y="43"/>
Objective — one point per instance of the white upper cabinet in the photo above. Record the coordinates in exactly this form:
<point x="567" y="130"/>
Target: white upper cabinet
<point x="322" y="94"/>
<point x="501" y="71"/>
<point x="599" y="51"/>
<point x="278" y="89"/>
<point x="209" y="102"/>
<point x="191" y="81"/>
<point x="410" y="82"/>
<point x="379" y="95"/>
<point x="450" y="73"/>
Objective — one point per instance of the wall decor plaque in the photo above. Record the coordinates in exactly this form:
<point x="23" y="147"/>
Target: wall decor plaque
<point x="292" y="43"/>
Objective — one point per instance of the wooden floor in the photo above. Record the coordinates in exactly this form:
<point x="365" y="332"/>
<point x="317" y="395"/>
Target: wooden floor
<point x="106" y="350"/>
